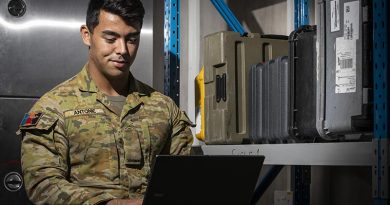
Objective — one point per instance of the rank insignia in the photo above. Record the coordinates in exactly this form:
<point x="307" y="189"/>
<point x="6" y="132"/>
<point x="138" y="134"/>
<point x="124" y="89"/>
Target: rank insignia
<point x="31" y="119"/>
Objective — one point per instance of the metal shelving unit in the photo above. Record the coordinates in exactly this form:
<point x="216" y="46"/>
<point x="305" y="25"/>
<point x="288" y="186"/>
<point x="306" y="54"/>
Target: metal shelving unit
<point x="172" y="49"/>
<point x="321" y="154"/>
<point x="374" y="154"/>
<point x="380" y="170"/>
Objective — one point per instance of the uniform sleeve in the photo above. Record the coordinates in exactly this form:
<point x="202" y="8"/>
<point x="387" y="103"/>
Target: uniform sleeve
<point x="181" y="133"/>
<point x="44" y="160"/>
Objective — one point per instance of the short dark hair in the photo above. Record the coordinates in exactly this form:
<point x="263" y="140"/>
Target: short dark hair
<point x="131" y="11"/>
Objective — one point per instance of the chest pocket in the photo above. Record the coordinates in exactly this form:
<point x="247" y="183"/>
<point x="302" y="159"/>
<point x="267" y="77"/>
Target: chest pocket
<point x="132" y="147"/>
<point x="143" y="140"/>
<point x="91" y="138"/>
<point x="86" y="126"/>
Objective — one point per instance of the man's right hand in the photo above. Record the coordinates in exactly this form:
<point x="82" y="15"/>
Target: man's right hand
<point x="125" y="202"/>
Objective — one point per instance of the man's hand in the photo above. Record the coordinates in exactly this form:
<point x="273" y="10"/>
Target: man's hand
<point x="125" y="202"/>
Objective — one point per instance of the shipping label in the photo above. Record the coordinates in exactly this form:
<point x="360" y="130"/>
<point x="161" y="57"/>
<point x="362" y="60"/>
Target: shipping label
<point x="351" y="20"/>
<point x="334" y="16"/>
<point x="345" y="66"/>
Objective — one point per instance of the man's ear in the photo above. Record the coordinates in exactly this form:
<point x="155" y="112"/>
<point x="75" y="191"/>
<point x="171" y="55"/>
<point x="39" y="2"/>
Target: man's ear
<point x="85" y="35"/>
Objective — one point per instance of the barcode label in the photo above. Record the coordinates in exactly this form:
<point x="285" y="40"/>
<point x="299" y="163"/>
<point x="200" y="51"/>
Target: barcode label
<point x="346" y="63"/>
<point x="345" y="66"/>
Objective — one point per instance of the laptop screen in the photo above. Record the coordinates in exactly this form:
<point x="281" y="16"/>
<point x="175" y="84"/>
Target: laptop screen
<point x="203" y="180"/>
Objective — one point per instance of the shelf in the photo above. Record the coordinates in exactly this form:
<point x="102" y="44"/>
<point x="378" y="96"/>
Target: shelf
<point x="321" y="154"/>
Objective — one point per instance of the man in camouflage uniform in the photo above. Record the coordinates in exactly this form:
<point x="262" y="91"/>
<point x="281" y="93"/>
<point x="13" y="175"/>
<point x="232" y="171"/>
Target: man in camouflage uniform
<point x="92" y="139"/>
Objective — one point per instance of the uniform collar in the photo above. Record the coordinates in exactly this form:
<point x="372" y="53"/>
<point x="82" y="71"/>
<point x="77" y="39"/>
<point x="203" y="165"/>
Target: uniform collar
<point x="86" y="84"/>
<point x="137" y="87"/>
<point x="85" y="81"/>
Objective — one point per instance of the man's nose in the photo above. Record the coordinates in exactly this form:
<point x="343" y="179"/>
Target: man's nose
<point x="121" y="47"/>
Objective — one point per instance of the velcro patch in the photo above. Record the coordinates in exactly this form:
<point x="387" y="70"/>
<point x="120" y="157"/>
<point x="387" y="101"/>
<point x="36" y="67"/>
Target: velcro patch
<point x="88" y="111"/>
<point x="31" y="119"/>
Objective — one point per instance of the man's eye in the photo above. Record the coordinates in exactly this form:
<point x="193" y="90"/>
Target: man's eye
<point x="110" y="40"/>
<point x="132" y="40"/>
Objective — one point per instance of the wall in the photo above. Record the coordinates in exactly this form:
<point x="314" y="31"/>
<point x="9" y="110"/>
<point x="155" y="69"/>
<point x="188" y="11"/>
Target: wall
<point x="158" y="45"/>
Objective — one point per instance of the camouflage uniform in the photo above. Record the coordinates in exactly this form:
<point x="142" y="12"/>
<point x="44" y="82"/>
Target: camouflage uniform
<point x="78" y="151"/>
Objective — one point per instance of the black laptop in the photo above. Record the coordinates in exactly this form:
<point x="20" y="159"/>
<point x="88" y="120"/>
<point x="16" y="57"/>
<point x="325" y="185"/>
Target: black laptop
<point x="203" y="180"/>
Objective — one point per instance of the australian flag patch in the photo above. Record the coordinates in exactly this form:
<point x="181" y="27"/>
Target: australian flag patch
<point x="31" y="119"/>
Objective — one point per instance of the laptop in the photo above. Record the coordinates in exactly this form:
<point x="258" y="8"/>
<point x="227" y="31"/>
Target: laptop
<point x="203" y="180"/>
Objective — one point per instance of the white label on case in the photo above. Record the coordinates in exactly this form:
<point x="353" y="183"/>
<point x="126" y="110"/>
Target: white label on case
<point x="334" y="16"/>
<point x="351" y="20"/>
<point x="345" y="66"/>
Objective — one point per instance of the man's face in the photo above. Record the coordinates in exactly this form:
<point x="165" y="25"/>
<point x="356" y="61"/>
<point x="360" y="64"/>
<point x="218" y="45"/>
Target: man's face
<point x="113" y="45"/>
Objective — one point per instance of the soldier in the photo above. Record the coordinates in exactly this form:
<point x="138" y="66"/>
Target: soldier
<point x="92" y="139"/>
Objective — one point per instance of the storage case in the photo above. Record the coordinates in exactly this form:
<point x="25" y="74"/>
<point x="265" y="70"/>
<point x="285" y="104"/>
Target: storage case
<point x="344" y="28"/>
<point x="332" y="85"/>
<point x="269" y="101"/>
<point x="228" y="58"/>
<point x="306" y="106"/>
